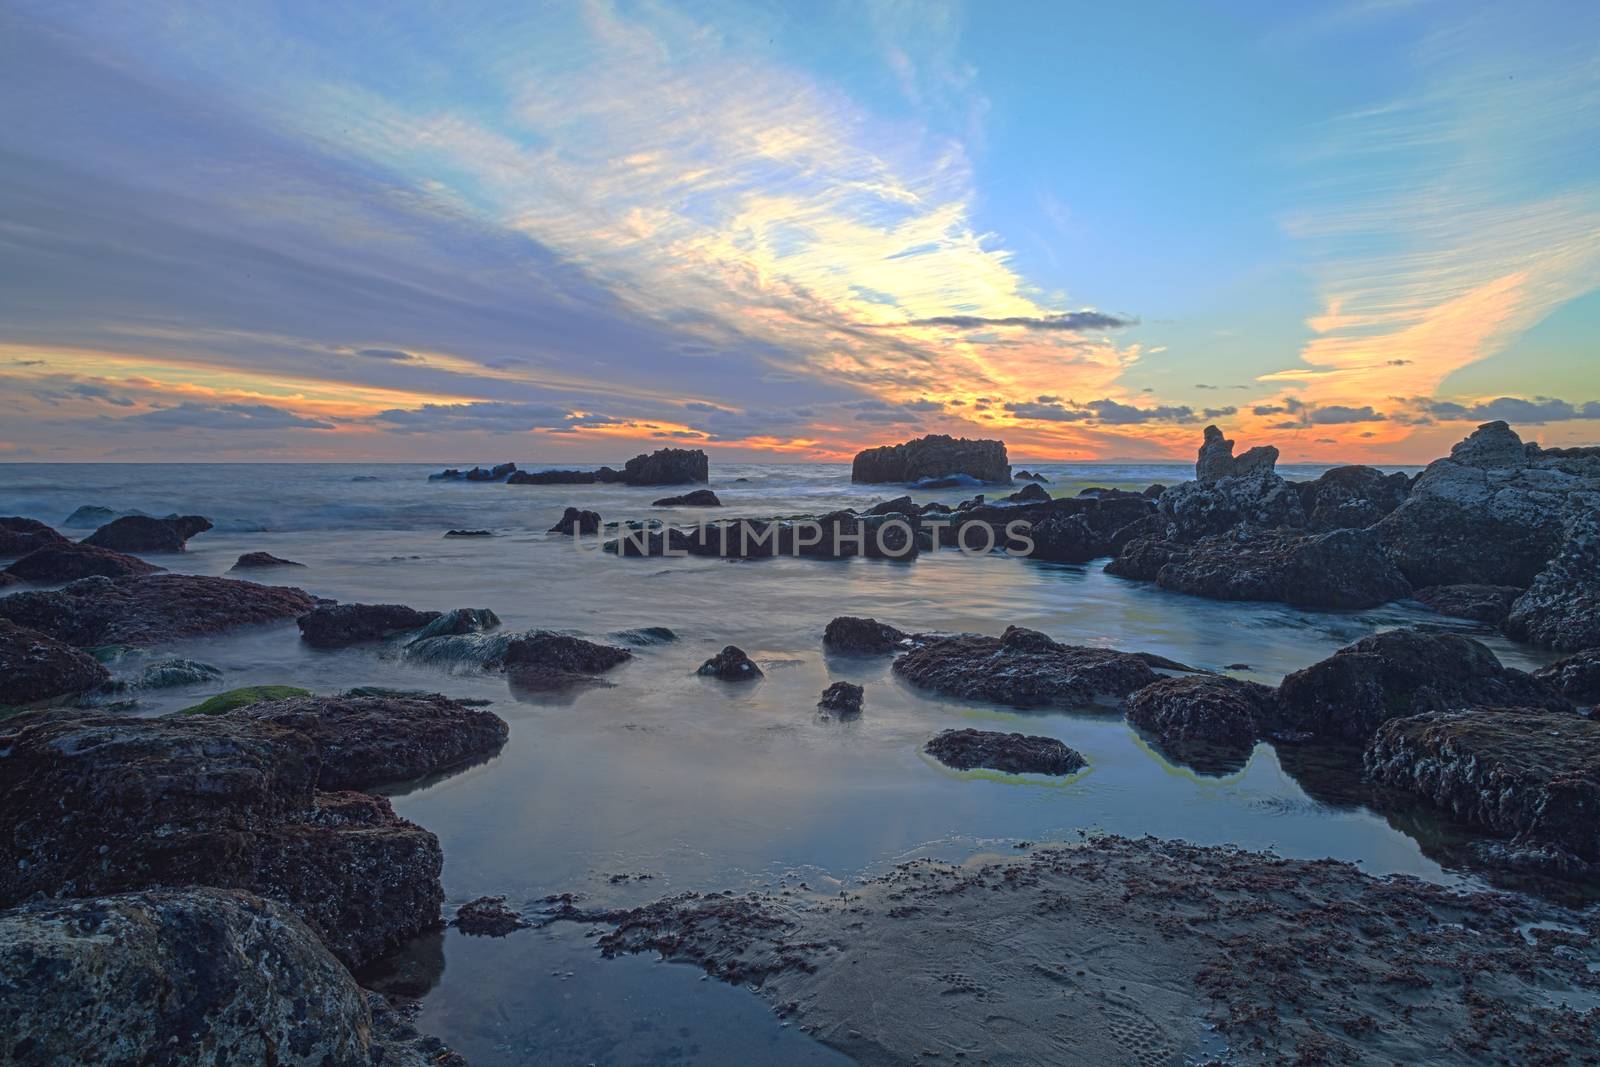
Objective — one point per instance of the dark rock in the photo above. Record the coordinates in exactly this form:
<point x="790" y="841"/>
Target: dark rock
<point x="552" y="478"/>
<point x="1207" y="721"/>
<point x="141" y="533"/>
<point x="458" y="621"/>
<point x="1337" y="569"/>
<point x="643" y="636"/>
<point x="842" y="698"/>
<point x="948" y="481"/>
<point x="338" y="625"/>
<point x="1485" y="603"/>
<point x="1562" y="607"/>
<point x="1067" y="538"/>
<point x="933" y="456"/>
<point x="364" y="742"/>
<point x="667" y="466"/>
<point x="1199" y="509"/>
<point x="69" y="562"/>
<point x="468" y="533"/>
<point x="1400" y="673"/>
<point x="151" y="609"/>
<point x="1142" y="558"/>
<point x="1217" y="462"/>
<point x="498" y="473"/>
<point x="900" y="505"/>
<point x="188" y="526"/>
<point x="1351" y="498"/>
<point x="170" y="673"/>
<point x="1153" y="492"/>
<point x="967" y="750"/>
<point x="1532" y="775"/>
<point x="36" y="667"/>
<point x="1023" y="668"/>
<point x="700" y="498"/>
<point x="853" y="636"/>
<point x="243" y="697"/>
<point x="19" y="536"/>
<point x="488" y="917"/>
<point x="574" y="522"/>
<point x="195" y="976"/>
<point x="731" y="665"/>
<point x="1028" y="476"/>
<point x="1027" y="494"/>
<point x="1577" y="677"/>
<point x="541" y="659"/>
<point x="256" y="560"/>
<point x="92" y="517"/>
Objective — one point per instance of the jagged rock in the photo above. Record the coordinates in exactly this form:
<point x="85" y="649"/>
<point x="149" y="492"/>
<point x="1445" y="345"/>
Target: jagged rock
<point x="842" y="698"/>
<point x="196" y="976"/>
<point x="730" y="665"/>
<point x="151" y="609"/>
<point x="1577" y="677"/>
<point x="853" y="636"/>
<point x="488" y="917"/>
<point x="1401" y="673"/>
<point x="69" y="562"/>
<point x="1028" y="476"/>
<point x="338" y="625"/>
<point x="1532" y="775"/>
<point x="142" y="533"/>
<point x="34" y="667"/>
<point x="700" y="498"/>
<point x="667" y="466"/>
<point x="1028" y="494"/>
<point x="900" y="505"/>
<point x="934" y="456"/>
<point x="1023" y="668"/>
<point x="575" y="521"/>
<point x="259" y="560"/>
<point x="1485" y="603"/>
<point x="498" y="473"/>
<point x="1562" y="607"/>
<point x="541" y="659"/>
<point x="365" y="742"/>
<point x="1337" y="569"/>
<point x="967" y="750"/>
<point x="1216" y="460"/>
<point x="1208" y="721"/>
<point x="1351" y="498"/>
<point x="19" y="536"/>
<point x="1260" y="498"/>
<point x="1142" y="558"/>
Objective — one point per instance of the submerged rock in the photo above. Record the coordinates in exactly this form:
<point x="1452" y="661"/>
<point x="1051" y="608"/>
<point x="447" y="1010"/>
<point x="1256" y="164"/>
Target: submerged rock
<point x="151" y="609"/>
<point x="469" y="533"/>
<point x="1562" y="608"/>
<point x="1211" y="722"/>
<point x="1483" y="603"/>
<point x="19" y="536"/>
<point x="35" y="667"/>
<point x="574" y="521"/>
<point x="1398" y="674"/>
<point x="1337" y="569"/>
<point x="1023" y="668"/>
<point x="730" y="665"/>
<point x="1577" y="677"/>
<point x="142" y="533"/>
<point x="498" y="473"/>
<point x="258" y="560"/>
<point x="459" y="621"/>
<point x="842" y="698"/>
<point x="69" y="562"/>
<point x="339" y="625"/>
<point x="851" y="636"/>
<point x="488" y="917"/>
<point x="244" y="697"/>
<point x="700" y="498"/>
<point x="934" y="456"/>
<point x="967" y="750"/>
<point x="169" y="673"/>
<point x="1533" y="775"/>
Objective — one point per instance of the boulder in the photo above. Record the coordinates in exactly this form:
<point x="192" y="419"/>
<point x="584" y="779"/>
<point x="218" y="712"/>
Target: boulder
<point x="1351" y="498"/>
<point x="142" y="533"/>
<point x="1023" y="668"/>
<point x="667" y="466"/>
<point x="574" y="522"/>
<point x="1028" y="494"/>
<point x="1337" y="569"/>
<point x="1398" y="674"/>
<point x="852" y="636"/>
<point x="69" y="562"/>
<point x="36" y="667"/>
<point x="19" y="536"/>
<point x="1532" y="775"/>
<point x="842" y="698"/>
<point x="1028" y="476"/>
<point x="730" y="665"/>
<point x="1562" y="607"/>
<point x="488" y="917"/>
<point x="339" y="625"/>
<point x="1577" y="677"/>
<point x="900" y="505"/>
<point x="92" y="517"/>
<point x="196" y="976"/>
<point x="541" y="659"/>
<point x="260" y="560"/>
<point x="1483" y="603"/>
<point x="700" y="498"/>
<point x="151" y="609"/>
<point x="967" y="750"/>
<point x="934" y="456"/>
<point x="1208" y="721"/>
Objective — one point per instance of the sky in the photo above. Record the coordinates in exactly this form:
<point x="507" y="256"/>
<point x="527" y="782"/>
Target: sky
<point x="563" y="232"/>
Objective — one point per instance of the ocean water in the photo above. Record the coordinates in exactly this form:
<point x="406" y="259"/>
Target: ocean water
<point x="660" y="781"/>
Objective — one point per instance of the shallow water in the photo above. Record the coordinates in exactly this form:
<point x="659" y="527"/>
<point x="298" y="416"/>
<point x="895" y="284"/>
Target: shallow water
<point x="663" y="781"/>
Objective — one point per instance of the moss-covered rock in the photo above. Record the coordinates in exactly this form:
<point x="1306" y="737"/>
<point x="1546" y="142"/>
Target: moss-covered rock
<point x="243" y="697"/>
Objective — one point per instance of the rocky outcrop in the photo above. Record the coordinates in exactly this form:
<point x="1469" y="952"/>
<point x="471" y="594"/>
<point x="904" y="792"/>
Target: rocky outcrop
<point x="700" y="498"/>
<point x="142" y="533"/>
<point x="1029" y="494"/>
<point x="561" y="477"/>
<point x="1028" y="476"/>
<point x="1216" y="461"/>
<point x="1259" y="498"/>
<point x="667" y="466"/>
<point x="1142" y="558"/>
<point x="842" y="698"/>
<point x="541" y="659"/>
<point x="1532" y="775"/>
<point x="1351" y="498"/>
<point x="1398" y="674"/>
<point x="574" y="521"/>
<point x="1483" y="603"/>
<point x="900" y="505"/>
<point x="1337" y="569"/>
<point x="197" y="977"/>
<point x="368" y="741"/>
<point x="261" y="561"/>
<point x="340" y="625"/>
<point x="1562" y="607"/>
<point x="19" y="536"/>
<point x="1577" y="677"/>
<point x="1023" y="668"/>
<point x="730" y="665"/>
<point x="488" y="917"/>
<point x="151" y="609"/>
<point x="967" y="750"/>
<point x="1208" y="721"/>
<point x="498" y="473"/>
<point x="851" y="636"/>
<point x="934" y="456"/>
<point x="35" y="667"/>
<point x="69" y="562"/>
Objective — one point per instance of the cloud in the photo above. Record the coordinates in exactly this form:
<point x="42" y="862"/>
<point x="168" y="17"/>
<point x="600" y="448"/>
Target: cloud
<point x="231" y="417"/>
<point x="386" y="353"/>
<point x="1111" y="412"/>
<point x="1534" y="412"/>
<point x="1065" y="321"/>
<point x="1340" y="414"/>
<point x="496" y="416"/>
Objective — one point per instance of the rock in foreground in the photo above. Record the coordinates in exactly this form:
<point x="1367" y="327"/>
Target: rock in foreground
<point x="1208" y="721"/>
<point x="36" y="667"/>
<point x="19" y="536"/>
<point x="339" y="625"/>
<point x="53" y="564"/>
<point x="1023" y="668"/>
<point x="541" y="659"/>
<point x="1562" y="608"/>
<point x="153" y="609"/>
<point x="934" y="456"/>
<point x="967" y="750"/>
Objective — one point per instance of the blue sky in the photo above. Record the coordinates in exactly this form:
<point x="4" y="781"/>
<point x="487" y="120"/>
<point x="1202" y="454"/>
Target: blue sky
<point x="553" y="231"/>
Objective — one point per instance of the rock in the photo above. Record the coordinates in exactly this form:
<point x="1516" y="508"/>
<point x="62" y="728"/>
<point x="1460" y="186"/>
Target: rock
<point x="1217" y="462"/>
<point x="1028" y="476"/>
<point x="69" y="562"/>
<point x="1484" y="516"/>
<point x="644" y="636"/>
<point x="1562" y="607"/>
<point x="1154" y="491"/>
<point x="170" y="673"/>
<point x="1484" y="603"/>
<point x="1351" y="498"/>
<point x="731" y="665"/>
<point x="101" y="804"/>
<point x="1142" y="558"/>
<point x="1064" y="538"/>
<point x="257" y="560"/>
<point x="488" y="917"/>
<point x="458" y="621"/>
<point x="152" y="609"/>
<point x="1532" y="775"/>
<point x="1028" y="494"/>
<point x="851" y="636"/>
<point x="1337" y="569"/>
<point x="92" y="517"/>
<point x="468" y="533"/>
<point x="934" y="456"/>
<point x="142" y="533"/>
<point x="339" y="625"/>
<point x="36" y="667"/>
<point x="1023" y="668"/>
<point x="1208" y="721"/>
<point x="900" y="505"/>
<point x="948" y="481"/>
<point x="667" y="466"/>
<point x="842" y="698"/>
<point x="700" y="498"/>
<point x="967" y="750"/>
<point x="1199" y="509"/>
<point x="574" y="522"/>
<point x="563" y="477"/>
<point x="541" y="659"/>
<point x="498" y="473"/>
<point x="1401" y="673"/>
<point x="19" y="536"/>
<point x="194" y="976"/>
<point x="365" y="742"/>
<point x="244" y="697"/>
<point x="1577" y="677"/>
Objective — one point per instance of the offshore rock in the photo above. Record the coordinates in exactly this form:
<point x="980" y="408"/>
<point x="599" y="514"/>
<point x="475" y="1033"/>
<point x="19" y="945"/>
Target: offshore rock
<point x="575" y="521"/>
<point x="339" y="625"/>
<point x="842" y="698"/>
<point x="541" y="659"/>
<point x="852" y="636"/>
<point x="667" y="466"/>
<point x="142" y="533"/>
<point x="1012" y="753"/>
<point x="700" y="498"/>
<point x="1023" y="668"/>
<point x="262" y="560"/>
<point x="934" y="456"/>
<point x="151" y="609"/>
<point x="69" y="562"/>
<point x="730" y="665"/>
